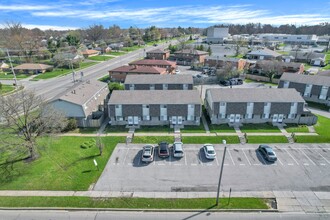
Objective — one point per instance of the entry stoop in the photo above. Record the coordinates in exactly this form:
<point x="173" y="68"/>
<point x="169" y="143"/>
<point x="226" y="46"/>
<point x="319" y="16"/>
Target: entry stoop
<point x="177" y="134"/>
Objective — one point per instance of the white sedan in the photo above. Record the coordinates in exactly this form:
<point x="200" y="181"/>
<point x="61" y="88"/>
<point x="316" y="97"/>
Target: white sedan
<point x="209" y="151"/>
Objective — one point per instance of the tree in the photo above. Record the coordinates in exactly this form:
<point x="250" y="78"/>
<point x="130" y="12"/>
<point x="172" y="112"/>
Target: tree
<point x="73" y="38"/>
<point x="209" y="50"/>
<point x="115" y="86"/>
<point x="29" y="117"/>
<point x="95" y="32"/>
<point x="238" y="43"/>
<point x="271" y="68"/>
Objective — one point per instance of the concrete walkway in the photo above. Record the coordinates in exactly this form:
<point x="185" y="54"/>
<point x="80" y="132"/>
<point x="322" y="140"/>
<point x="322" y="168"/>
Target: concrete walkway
<point x="206" y="126"/>
<point x="287" y="201"/>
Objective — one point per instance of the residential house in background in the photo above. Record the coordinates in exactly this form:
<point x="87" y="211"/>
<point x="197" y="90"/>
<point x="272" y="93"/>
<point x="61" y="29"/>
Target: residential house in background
<point x="90" y="53"/>
<point x="313" y="58"/>
<point x="264" y="54"/>
<point x="313" y="88"/>
<point x="189" y="56"/>
<point x="86" y="103"/>
<point x="217" y="35"/>
<point x="119" y="74"/>
<point x="251" y="105"/>
<point x="159" y="82"/>
<point x="33" y="68"/>
<point x="170" y="66"/>
<point x="158" y="54"/>
<point x="155" y="107"/>
<point x="290" y="38"/>
<point x="222" y="62"/>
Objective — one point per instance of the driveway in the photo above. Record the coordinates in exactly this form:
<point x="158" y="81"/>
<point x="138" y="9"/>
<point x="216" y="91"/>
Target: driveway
<point x="299" y="167"/>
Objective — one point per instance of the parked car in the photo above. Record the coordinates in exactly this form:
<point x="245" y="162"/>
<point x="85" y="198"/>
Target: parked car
<point x="267" y="152"/>
<point x="236" y="81"/>
<point x="178" y="149"/>
<point x="209" y="151"/>
<point x="177" y="71"/>
<point x="148" y="153"/>
<point x="225" y="82"/>
<point x="163" y="149"/>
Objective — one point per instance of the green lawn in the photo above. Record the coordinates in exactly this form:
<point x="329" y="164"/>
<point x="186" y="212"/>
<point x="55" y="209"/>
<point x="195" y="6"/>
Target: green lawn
<point x="224" y="128"/>
<point x="85" y="131"/>
<point x="116" y="129"/>
<point x="259" y="128"/>
<point x="322" y="127"/>
<point x="265" y="83"/>
<point x="294" y="128"/>
<point x="154" y="129"/>
<point x="133" y="203"/>
<point x="318" y="106"/>
<point x="152" y="139"/>
<point x="193" y="129"/>
<point x="210" y="139"/>
<point x="9" y="75"/>
<point x="116" y="53"/>
<point x="65" y="163"/>
<point x="266" y="139"/>
<point x="282" y="52"/>
<point x="6" y="88"/>
<point x="100" y="58"/>
<point x="133" y="48"/>
<point x="60" y="72"/>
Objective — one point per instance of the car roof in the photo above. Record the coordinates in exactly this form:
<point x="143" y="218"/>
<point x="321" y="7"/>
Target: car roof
<point x="267" y="148"/>
<point x="209" y="147"/>
<point x="178" y="145"/>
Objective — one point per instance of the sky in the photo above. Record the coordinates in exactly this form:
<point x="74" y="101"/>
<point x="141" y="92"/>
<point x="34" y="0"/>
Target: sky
<point x="75" y="14"/>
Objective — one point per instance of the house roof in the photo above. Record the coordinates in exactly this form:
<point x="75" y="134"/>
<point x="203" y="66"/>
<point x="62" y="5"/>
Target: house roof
<point x="159" y="79"/>
<point x="264" y="52"/>
<point x="224" y="59"/>
<point x="153" y="62"/>
<point x="192" y="52"/>
<point x="139" y="69"/>
<point x="282" y="64"/>
<point x="255" y="95"/>
<point x="32" y="66"/>
<point x="307" y="55"/>
<point x="89" y="52"/>
<point x="157" y="51"/>
<point x="90" y="93"/>
<point x="155" y="97"/>
<point x="306" y="79"/>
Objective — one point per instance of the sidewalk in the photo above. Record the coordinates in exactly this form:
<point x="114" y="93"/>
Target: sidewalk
<point x="287" y="201"/>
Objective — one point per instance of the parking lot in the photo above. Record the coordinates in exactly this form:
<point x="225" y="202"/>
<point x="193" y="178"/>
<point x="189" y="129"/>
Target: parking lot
<point x="299" y="167"/>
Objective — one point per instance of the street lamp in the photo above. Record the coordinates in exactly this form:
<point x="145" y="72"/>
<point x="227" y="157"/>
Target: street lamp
<point x="221" y="169"/>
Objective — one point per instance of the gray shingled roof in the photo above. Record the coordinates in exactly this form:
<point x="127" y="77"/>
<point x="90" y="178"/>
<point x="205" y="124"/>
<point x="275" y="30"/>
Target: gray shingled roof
<point x="159" y="79"/>
<point x="306" y="79"/>
<point x="307" y="55"/>
<point x="157" y="51"/>
<point x="255" y="95"/>
<point x="155" y="97"/>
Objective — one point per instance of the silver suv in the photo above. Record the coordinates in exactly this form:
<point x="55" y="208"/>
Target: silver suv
<point x="148" y="153"/>
<point x="178" y="150"/>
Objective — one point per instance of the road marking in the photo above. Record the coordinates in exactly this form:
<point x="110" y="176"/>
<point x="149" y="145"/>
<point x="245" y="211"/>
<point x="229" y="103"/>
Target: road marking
<point x="279" y="161"/>
<point x="232" y="160"/>
<point x="322" y="164"/>
<point x="257" y="164"/>
<point x="130" y="164"/>
<point x="209" y="164"/>
<point x="193" y="164"/>
<point x="291" y="156"/>
<point x="324" y="158"/>
<point x="246" y="157"/>
<point x="199" y="159"/>
<point x="177" y="164"/>
<point x="290" y="164"/>
<point x="242" y="164"/>
<point x="125" y="155"/>
<point x="306" y="164"/>
<point x="185" y="159"/>
<point x="161" y="164"/>
<point x="216" y="160"/>
<point x="226" y="164"/>
<point x="308" y="157"/>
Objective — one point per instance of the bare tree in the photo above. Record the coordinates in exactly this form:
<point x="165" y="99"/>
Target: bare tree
<point x="29" y="117"/>
<point x="95" y="32"/>
<point x="227" y="71"/>
<point x="238" y="43"/>
<point x="271" y="68"/>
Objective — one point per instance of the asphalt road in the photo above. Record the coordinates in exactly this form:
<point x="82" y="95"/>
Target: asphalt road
<point x="300" y="167"/>
<point x="102" y="215"/>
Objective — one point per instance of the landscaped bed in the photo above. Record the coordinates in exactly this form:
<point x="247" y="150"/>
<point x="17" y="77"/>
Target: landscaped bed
<point x="133" y="203"/>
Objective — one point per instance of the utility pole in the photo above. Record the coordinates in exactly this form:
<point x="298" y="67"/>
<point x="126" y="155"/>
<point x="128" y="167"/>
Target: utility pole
<point x="221" y="169"/>
<point x="12" y="69"/>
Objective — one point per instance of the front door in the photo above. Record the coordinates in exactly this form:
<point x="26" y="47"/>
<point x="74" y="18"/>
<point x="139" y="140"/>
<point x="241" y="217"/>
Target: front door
<point x="237" y="117"/>
<point x="275" y="117"/>
<point x="174" y="121"/>
<point x="135" y="120"/>
<point x="179" y="120"/>
<point x="130" y="120"/>
<point x="231" y="118"/>
<point x="280" y="118"/>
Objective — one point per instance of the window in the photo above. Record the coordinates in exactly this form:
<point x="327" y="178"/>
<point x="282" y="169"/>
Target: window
<point x="119" y="118"/>
<point x="190" y="118"/>
<point x="222" y="116"/>
<point x="146" y="118"/>
<point x="265" y="116"/>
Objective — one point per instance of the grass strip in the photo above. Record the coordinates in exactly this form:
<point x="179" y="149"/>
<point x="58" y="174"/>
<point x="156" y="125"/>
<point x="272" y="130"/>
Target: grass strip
<point x="152" y="139"/>
<point x="266" y="139"/>
<point x="210" y="139"/>
<point x="133" y="203"/>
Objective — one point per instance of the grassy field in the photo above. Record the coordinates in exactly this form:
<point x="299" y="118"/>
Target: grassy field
<point x="254" y="81"/>
<point x="65" y="163"/>
<point x="221" y="128"/>
<point x="133" y="203"/>
<point x="152" y="139"/>
<point x="193" y="129"/>
<point x="259" y="128"/>
<point x="116" y="53"/>
<point x="60" y="72"/>
<point x="84" y="131"/>
<point x="293" y="128"/>
<point x="6" y="88"/>
<point x="266" y="139"/>
<point x="133" y="48"/>
<point x="322" y="128"/>
<point x="318" y="106"/>
<point x="116" y="129"/>
<point x="100" y="58"/>
<point x="6" y="75"/>
<point x="154" y="129"/>
<point x="210" y="139"/>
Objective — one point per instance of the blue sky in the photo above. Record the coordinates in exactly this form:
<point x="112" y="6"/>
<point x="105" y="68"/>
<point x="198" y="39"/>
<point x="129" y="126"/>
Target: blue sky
<point x="73" y="14"/>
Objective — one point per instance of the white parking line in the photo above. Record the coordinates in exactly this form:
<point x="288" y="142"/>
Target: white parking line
<point x="232" y="160"/>
<point x="322" y="164"/>
<point x="242" y="164"/>
<point x="279" y="161"/>
<point x="193" y="164"/>
<point x="308" y="157"/>
<point x="226" y="164"/>
<point x="216" y="160"/>
<point x="246" y="157"/>
<point x="291" y="156"/>
<point x="185" y="159"/>
<point x="177" y="164"/>
<point x="199" y="159"/>
<point x="306" y="164"/>
<point x="324" y="158"/>
<point x="126" y="155"/>
<point x="290" y="164"/>
<point x="161" y="164"/>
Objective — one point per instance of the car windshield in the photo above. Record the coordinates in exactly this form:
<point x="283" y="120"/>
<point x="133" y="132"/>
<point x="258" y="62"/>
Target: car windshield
<point x="163" y="150"/>
<point x="146" y="156"/>
<point x="178" y="152"/>
<point x="271" y="153"/>
<point x="210" y="151"/>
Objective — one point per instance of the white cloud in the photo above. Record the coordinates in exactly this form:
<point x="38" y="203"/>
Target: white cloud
<point x="48" y="27"/>
<point x="25" y="7"/>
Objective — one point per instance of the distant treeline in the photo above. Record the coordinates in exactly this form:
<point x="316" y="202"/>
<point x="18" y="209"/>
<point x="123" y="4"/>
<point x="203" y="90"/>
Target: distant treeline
<point x="258" y="28"/>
